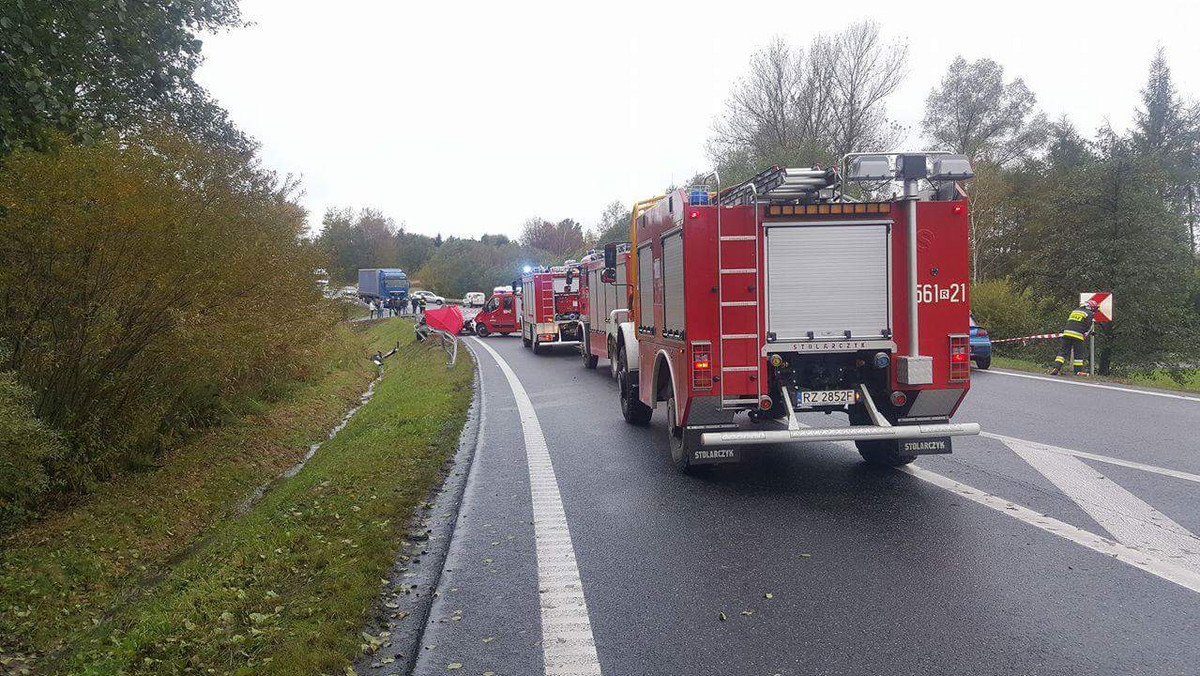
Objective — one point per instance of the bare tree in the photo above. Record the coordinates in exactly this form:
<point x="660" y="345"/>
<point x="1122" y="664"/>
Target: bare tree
<point x="974" y="112"/>
<point x="807" y="105"/>
<point x="867" y="72"/>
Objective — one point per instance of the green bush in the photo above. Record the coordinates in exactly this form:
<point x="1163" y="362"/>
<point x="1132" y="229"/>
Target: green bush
<point x="148" y="285"/>
<point x="27" y="448"/>
<point x="1006" y="311"/>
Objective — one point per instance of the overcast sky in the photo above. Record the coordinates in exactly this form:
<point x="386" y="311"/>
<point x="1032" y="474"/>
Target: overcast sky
<point x="464" y="118"/>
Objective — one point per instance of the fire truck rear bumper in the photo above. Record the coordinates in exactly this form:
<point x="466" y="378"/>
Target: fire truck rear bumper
<point x="856" y="433"/>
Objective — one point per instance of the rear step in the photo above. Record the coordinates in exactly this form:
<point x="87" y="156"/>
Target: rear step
<point x="856" y="433"/>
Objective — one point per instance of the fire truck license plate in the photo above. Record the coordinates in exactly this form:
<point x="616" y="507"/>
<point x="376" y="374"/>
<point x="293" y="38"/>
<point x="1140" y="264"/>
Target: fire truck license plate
<point x="810" y="398"/>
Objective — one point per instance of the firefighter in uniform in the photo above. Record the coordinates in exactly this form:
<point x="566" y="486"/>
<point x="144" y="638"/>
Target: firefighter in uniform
<point x="1079" y="323"/>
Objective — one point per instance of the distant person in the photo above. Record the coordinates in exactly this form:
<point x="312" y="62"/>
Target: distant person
<point x="1079" y="325"/>
<point x="414" y="302"/>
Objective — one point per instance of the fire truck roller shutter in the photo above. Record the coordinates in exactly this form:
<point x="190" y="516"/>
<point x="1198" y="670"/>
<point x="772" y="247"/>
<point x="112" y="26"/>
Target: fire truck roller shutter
<point x="645" y="286"/>
<point x="672" y="256"/>
<point x="827" y="280"/>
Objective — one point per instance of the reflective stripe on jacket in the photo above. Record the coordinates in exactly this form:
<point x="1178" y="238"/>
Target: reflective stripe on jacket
<point x="1079" y="323"/>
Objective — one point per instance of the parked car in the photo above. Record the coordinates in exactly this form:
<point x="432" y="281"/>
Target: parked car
<point x="981" y="346"/>
<point x="430" y="297"/>
<point x="474" y="299"/>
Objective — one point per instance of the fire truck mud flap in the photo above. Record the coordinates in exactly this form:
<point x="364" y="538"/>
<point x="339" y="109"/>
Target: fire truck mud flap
<point x="915" y="439"/>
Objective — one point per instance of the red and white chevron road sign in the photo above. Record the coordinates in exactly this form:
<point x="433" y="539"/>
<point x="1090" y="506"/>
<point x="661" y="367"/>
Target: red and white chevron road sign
<point x="1105" y="299"/>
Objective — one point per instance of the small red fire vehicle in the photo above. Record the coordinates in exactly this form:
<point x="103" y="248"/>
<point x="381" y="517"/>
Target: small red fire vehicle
<point x="499" y="314"/>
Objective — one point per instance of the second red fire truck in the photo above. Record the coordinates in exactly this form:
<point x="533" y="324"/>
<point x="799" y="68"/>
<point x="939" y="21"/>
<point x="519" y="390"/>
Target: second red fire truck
<point x="548" y="306"/>
<point x="781" y="295"/>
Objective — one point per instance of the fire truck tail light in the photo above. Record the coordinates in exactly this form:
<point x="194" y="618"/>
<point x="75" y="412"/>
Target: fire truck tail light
<point x="765" y="403"/>
<point x="960" y="358"/>
<point x="702" y="377"/>
<point x="899" y="398"/>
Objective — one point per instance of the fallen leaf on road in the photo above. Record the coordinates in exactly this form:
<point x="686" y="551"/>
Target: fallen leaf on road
<point x="489" y="639"/>
<point x="454" y="666"/>
<point x="747" y="613"/>
<point x="768" y="595"/>
<point x="723" y="618"/>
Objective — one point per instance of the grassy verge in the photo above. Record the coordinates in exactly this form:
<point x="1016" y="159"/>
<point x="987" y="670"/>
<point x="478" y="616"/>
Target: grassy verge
<point x="1159" y="379"/>
<point x="161" y="575"/>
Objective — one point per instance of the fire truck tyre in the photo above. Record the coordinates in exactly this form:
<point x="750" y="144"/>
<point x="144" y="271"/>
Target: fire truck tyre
<point x="632" y="408"/>
<point x="883" y="453"/>
<point x="612" y="362"/>
<point x="537" y="346"/>
<point x="680" y="453"/>
<point x="524" y="338"/>
<point x="481" y="331"/>
<point x="589" y="360"/>
<point x="984" y="363"/>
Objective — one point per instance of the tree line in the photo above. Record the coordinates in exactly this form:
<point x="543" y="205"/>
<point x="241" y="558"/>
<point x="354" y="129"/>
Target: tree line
<point x="154" y="277"/>
<point x="351" y="239"/>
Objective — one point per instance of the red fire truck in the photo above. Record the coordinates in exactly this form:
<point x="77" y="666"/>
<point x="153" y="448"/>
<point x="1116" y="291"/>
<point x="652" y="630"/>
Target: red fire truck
<point x="783" y="295"/>
<point x="499" y="314"/>
<point x="549" y="307"/>
<point x="602" y="307"/>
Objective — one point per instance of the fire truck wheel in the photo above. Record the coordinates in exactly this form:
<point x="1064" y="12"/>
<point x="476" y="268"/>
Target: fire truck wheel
<point x="612" y="362"/>
<point x="632" y="408"/>
<point x="537" y="347"/>
<point x="680" y="453"/>
<point x="481" y="331"/>
<point x="883" y="453"/>
<point x="524" y="339"/>
<point x="589" y="360"/>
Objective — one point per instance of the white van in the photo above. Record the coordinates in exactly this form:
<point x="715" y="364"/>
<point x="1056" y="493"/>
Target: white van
<point x="474" y="299"/>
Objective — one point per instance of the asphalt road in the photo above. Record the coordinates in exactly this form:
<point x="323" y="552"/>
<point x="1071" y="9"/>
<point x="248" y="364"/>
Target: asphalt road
<point x="1065" y="547"/>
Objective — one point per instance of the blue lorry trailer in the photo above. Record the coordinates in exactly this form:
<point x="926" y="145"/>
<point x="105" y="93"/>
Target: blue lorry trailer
<point x="382" y="284"/>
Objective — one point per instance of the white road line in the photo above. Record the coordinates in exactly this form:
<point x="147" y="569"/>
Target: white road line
<point x="1077" y="383"/>
<point x="1133" y="557"/>
<point x="1186" y="476"/>
<point x="1125" y="516"/>
<point x="567" y="647"/>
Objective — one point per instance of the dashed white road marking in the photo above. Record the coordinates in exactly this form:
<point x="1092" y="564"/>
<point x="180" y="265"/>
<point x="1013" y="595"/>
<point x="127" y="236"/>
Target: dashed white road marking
<point x="1077" y="383"/>
<point x="568" y="646"/>
<point x="1186" y="476"/>
<point x="1125" y="516"/>
<point x="1129" y="555"/>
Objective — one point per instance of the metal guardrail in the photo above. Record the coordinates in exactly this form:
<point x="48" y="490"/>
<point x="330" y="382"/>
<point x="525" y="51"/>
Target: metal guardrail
<point x="447" y="340"/>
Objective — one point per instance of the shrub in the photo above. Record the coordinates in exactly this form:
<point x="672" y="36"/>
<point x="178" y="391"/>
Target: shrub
<point x="27" y="448"/>
<point x="1006" y="311"/>
<point x="147" y="285"/>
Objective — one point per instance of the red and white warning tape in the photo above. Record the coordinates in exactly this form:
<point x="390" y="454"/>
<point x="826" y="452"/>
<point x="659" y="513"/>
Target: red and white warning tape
<point x="1040" y="336"/>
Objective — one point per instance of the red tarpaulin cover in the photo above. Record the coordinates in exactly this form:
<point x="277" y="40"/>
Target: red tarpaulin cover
<point x="448" y="318"/>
